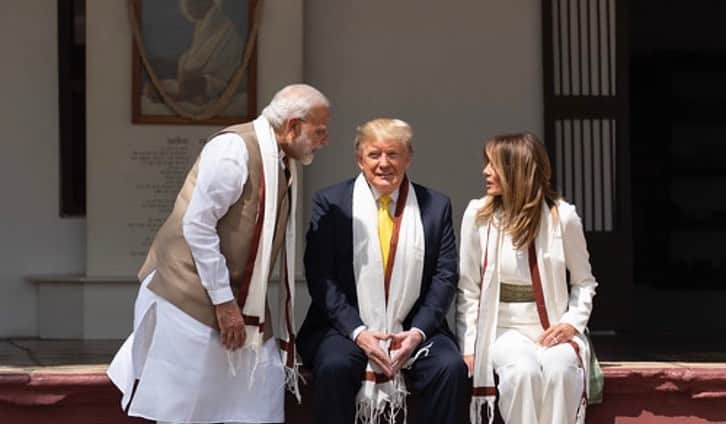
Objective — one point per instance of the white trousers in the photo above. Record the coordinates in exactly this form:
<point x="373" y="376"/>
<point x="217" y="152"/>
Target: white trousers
<point x="182" y="371"/>
<point x="537" y="385"/>
<point x="169" y="422"/>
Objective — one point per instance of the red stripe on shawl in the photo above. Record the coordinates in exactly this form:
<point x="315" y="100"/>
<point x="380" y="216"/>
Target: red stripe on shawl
<point x="254" y="246"/>
<point x="484" y="391"/>
<point x="397" y="217"/>
<point x="375" y="377"/>
<point x="537" y="286"/>
<point x="253" y="321"/>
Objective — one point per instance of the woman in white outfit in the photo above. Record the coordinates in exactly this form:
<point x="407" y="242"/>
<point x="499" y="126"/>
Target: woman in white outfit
<point x="517" y="316"/>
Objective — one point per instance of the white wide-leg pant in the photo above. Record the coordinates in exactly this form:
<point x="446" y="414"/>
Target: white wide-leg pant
<point x="169" y="422"/>
<point x="537" y="385"/>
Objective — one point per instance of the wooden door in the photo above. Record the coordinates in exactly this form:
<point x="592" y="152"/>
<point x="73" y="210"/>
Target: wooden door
<point x="585" y="70"/>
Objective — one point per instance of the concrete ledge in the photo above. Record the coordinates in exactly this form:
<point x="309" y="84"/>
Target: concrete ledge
<point x="76" y="306"/>
<point x="669" y="393"/>
<point x="80" y="279"/>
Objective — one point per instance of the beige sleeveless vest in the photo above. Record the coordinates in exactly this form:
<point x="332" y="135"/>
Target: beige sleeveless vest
<point x="176" y="278"/>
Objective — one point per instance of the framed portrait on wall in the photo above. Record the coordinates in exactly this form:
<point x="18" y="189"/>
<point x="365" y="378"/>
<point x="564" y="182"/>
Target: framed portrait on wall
<point x="193" y="61"/>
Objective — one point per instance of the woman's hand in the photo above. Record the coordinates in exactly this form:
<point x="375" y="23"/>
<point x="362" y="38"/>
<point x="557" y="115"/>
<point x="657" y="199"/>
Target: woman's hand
<point x="556" y="334"/>
<point x="469" y="361"/>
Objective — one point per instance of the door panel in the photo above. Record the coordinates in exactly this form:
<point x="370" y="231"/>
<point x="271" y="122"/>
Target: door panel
<point x="586" y="119"/>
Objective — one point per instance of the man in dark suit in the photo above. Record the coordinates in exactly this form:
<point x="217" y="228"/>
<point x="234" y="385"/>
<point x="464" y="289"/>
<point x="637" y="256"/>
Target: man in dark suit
<point x="391" y="243"/>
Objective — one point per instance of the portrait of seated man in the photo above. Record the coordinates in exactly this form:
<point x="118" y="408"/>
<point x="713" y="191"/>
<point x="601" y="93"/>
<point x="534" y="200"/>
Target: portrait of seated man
<point x="204" y="66"/>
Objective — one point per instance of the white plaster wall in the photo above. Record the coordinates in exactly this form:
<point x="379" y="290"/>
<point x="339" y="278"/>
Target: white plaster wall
<point x="458" y="71"/>
<point x="111" y="135"/>
<point x="33" y="238"/>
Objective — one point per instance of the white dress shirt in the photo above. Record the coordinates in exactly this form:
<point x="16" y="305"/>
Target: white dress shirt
<point x="514" y="263"/>
<point x="221" y="178"/>
<point x="514" y="269"/>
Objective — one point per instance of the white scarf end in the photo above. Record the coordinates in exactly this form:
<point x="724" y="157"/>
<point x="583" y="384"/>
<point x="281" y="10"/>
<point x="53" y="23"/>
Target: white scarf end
<point x="477" y="405"/>
<point x="581" y="411"/>
<point x="367" y="412"/>
<point x="236" y="362"/>
<point x="293" y="377"/>
<point x="383" y="408"/>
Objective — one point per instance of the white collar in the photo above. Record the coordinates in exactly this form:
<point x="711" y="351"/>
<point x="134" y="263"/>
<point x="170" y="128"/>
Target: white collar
<point x="393" y="195"/>
<point x="281" y="157"/>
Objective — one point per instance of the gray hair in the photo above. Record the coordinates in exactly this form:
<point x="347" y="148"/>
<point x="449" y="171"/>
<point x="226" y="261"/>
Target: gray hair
<point x="293" y="101"/>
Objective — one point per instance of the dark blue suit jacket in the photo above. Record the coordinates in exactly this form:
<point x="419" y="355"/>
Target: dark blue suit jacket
<point x="329" y="267"/>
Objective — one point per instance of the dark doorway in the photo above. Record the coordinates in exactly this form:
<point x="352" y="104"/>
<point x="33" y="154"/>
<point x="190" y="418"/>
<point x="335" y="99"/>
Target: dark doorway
<point x="678" y="148"/>
<point x="72" y="106"/>
<point x="585" y="76"/>
<point x="635" y="121"/>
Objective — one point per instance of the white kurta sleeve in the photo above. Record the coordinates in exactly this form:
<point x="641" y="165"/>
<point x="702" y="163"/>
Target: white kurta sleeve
<point x="470" y="274"/>
<point x="577" y="259"/>
<point x="221" y="178"/>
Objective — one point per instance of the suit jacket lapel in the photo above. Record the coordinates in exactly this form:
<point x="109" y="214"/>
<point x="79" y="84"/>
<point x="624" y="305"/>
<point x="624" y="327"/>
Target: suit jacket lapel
<point x="424" y="204"/>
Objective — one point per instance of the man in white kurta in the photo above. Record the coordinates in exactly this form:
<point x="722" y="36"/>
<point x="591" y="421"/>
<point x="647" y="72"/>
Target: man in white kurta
<point x="177" y="368"/>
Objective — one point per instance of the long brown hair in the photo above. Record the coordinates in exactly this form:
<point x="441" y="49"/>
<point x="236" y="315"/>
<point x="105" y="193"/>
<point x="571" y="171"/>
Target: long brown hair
<point x="521" y="162"/>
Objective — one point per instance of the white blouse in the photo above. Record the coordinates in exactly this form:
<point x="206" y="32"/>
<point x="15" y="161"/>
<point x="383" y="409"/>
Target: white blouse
<point x="514" y="263"/>
<point x="514" y="269"/>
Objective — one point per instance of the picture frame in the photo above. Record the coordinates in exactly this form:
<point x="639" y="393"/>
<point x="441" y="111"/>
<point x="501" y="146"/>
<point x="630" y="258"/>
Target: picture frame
<point x="194" y="48"/>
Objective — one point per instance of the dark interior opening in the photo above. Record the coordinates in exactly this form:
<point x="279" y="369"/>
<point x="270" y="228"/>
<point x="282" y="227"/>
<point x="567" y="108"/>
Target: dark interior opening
<point x="72" y="106"/>
<point x="678" y="148"/>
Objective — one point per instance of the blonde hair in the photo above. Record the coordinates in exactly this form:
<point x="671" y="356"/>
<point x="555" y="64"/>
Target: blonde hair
<point x="384" y="129"/>
<point x="523" y="167"/>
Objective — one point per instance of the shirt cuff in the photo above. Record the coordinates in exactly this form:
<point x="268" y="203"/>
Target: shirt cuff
<point x="420" y="331"/>
<point x="357" y="331"/>
<point x="577" y="324"/>
<point x="220" y="295"/>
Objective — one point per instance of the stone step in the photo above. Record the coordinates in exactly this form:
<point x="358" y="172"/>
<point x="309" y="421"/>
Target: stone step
<point x="635" y="392"/>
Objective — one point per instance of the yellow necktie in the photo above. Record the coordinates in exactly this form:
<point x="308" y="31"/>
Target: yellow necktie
<point x="385" y="228"/>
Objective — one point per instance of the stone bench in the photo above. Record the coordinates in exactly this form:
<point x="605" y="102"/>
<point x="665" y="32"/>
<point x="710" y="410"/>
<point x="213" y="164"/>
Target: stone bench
<point x="635" y="392"/>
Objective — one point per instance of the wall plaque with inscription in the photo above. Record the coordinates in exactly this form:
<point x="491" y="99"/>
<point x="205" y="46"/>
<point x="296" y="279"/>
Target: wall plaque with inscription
<point x="169" y="163"/>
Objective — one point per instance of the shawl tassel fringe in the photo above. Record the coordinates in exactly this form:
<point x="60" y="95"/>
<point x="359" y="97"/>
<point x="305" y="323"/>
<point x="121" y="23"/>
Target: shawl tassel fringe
<point x="476" y="408"/>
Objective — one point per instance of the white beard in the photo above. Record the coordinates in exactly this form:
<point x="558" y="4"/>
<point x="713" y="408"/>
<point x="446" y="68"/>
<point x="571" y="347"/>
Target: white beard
<point x="305" y="147"/>
<point x="307" y="159"/>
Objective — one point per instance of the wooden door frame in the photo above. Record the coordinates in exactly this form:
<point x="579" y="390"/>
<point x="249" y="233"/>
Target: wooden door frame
<point x="614" y="311"/>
